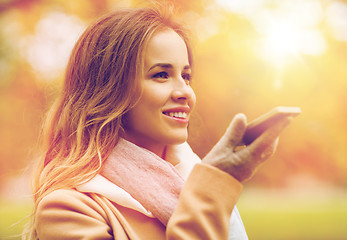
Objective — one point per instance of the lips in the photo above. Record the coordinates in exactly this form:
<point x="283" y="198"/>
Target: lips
<point x="177" y="114"/>
<point x="180" y="112"/>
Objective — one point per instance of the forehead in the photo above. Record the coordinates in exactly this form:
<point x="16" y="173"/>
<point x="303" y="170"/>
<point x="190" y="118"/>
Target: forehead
<point x="166" y="47"/>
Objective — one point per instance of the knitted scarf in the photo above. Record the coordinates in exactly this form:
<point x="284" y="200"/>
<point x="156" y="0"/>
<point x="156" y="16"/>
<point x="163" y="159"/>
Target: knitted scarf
<point x="149" y="179"/>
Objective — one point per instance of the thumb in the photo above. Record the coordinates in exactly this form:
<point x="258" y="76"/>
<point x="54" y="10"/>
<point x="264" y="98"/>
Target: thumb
<point x="234" y="134"/>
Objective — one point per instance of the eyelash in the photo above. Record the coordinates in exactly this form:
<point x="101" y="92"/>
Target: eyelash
<point x="160" y="75"/>
<point x="186" y="76"/>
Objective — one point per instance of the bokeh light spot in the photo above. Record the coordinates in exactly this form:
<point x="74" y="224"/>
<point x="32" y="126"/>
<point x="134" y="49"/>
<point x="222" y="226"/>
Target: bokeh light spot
<point x="49" y="48"/>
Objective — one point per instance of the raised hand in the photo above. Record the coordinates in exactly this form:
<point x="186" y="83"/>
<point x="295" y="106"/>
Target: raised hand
<point x="242" y="162"/>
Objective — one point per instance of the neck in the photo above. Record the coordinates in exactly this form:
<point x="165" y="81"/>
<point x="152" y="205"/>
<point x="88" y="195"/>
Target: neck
<point x="158" y="149"/>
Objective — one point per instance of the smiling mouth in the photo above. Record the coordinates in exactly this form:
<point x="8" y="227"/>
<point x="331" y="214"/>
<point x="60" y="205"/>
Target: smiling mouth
<point x="182" y="115"/>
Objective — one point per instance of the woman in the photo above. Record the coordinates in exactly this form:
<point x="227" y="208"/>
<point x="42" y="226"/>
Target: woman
<point x="115" y="162"/>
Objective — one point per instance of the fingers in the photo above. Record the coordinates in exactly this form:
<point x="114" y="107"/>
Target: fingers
<point x="236" y="129"/>
<point x="264" y="146"/>
<point x="243" y="164"/>
<point x="222" y="154"/>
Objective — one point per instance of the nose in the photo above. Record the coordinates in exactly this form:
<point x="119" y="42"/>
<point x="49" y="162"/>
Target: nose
<point x="182" y="91"/>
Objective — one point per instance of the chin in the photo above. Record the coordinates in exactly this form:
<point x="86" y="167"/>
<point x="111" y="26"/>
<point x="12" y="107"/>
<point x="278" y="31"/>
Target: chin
<point x="172" y="137"/>
<point x="179" y="139"/>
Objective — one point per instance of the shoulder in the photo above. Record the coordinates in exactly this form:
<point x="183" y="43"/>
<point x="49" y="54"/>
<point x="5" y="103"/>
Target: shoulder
<point x="70" y="200"/>
<point x="65" y="196"/>
<point x="71" y="213"/>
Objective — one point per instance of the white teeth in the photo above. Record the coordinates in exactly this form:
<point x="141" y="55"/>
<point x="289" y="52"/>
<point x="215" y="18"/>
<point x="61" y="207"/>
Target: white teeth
<point x="177" y="114"/>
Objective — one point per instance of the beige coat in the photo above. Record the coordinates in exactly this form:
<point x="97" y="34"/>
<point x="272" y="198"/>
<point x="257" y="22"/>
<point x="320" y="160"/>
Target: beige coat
<point x="203" y="212"/>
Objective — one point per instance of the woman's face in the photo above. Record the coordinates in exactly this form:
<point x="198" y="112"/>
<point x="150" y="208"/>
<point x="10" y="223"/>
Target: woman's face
<point x="162" y="114"/>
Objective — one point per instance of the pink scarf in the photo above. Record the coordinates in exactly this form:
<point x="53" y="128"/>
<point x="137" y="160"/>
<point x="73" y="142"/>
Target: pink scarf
<point x="151" y="180"/>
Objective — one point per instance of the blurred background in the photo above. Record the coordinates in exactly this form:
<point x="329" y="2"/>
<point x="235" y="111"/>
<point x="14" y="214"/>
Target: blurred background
<point x="250" y="56"/>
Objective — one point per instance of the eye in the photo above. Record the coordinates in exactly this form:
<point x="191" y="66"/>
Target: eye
<point x="187" y="78"/>
<point x="161" y="75"/>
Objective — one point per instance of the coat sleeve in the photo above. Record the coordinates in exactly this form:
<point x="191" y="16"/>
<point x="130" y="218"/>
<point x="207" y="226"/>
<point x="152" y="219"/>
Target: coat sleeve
<point x="205" y="205"/>
<point x="68" y="214"/>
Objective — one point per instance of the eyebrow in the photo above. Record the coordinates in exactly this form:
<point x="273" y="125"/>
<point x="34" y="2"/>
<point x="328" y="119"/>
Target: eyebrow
<point x="166" y="65"/>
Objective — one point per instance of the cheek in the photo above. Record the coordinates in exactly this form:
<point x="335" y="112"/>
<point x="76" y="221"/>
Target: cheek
<point x="148" y="108"/>
<point x="154" y="97"/>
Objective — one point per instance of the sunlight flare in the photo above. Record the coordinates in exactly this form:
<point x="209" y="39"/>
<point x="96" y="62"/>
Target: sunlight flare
<point x="284" y="41"/>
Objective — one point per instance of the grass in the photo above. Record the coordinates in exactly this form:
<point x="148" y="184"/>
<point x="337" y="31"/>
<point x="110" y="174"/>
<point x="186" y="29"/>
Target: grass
<point x="305" y="216"/>
<point x="267" y="215"/>
<point x="13" y="217"/>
